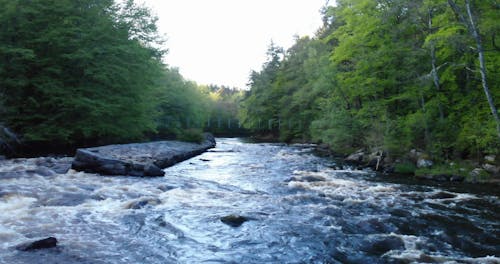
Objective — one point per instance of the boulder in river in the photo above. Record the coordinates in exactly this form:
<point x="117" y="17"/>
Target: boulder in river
<point x="356" y="157"/>
<point x="376" y="160"/>
<point x="234" y="220"/>
<point x="139" y="159"/>
<point x="49" y="242"/>
<point x="381" y="245"/>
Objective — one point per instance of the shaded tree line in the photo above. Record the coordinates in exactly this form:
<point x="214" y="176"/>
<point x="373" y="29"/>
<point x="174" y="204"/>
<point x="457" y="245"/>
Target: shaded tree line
<point x="392" y="74"/>
<point x="223" y="110"/>
<point x="76" y="73"/>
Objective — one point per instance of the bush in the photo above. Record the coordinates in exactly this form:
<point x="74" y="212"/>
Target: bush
<point x="405" y="168"/>
<point x="446" y="169"/>
<point x="190" y="135"/>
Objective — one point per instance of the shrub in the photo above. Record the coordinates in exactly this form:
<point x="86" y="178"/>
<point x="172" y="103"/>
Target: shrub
<point x="190" y="135"/>
<point x="405" y="168"/>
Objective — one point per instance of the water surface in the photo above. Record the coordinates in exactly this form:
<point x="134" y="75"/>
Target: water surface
<point x="302" y="209"/>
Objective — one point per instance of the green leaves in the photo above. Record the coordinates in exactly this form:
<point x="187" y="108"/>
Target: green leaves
<point x="80" y="71"/>
<point x="393" y="74"/>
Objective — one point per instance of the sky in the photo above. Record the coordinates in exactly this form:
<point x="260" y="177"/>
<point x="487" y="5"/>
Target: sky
<point x="221" y="41"/>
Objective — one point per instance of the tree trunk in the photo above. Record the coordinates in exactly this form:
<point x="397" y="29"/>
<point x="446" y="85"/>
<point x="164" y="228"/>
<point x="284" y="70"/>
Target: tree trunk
<point x="435" y="75"/>
<point x="426" y="127"/>
<point x="474" y="31"/>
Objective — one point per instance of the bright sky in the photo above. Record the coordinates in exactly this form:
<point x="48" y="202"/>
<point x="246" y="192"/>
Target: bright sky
<point x="221" y="41"/>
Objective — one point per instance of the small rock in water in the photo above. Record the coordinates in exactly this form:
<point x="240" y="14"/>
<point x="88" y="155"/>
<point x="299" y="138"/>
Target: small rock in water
<point x="49" y="242"/>
<point x="153" y="170"/>
<point x="42" y="171"/>
<point x="143" y="203"/>
<point x="234" y="220"/>
<point x="165" y="188"/>
<point x="443" y="195"/>
<point x="382" y="245"/>
<point x="308" y="178"/>
<point x="62" y="168"/>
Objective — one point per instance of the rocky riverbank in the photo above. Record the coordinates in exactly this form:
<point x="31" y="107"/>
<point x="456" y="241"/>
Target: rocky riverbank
<point x="421" y="166"/>
<point x="140" y="159"/>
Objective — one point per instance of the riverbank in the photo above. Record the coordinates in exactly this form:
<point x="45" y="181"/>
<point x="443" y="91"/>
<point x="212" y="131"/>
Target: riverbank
<point x="414" y="163"/>
<point x="420" y="165"/>
<point x="137" y="159"/>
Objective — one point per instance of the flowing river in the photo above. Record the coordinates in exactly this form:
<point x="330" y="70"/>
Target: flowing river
<point x="301" y="209"/>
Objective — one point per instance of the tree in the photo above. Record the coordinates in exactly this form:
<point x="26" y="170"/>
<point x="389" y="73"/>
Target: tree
<point x="387" y="74"/>
<point x="78" y="71"/>
<point x="259" y="106"/>
<point x="469" y="21"/>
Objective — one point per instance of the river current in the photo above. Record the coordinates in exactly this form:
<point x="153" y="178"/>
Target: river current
<point x="301" y="209"/>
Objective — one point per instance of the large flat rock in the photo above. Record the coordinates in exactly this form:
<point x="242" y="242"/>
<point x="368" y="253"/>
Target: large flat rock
<point x="138" y="159"/>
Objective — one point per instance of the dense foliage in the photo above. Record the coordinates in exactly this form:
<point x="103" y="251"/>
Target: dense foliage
<point x="89" y="72"/>
<point x="392" y="74"/>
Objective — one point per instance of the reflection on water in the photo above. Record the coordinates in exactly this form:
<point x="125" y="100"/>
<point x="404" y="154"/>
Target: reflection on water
<point x="300" y="210"/>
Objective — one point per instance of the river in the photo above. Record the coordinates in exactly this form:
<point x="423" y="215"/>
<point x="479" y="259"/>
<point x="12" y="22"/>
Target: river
<point x="301" y="209"/>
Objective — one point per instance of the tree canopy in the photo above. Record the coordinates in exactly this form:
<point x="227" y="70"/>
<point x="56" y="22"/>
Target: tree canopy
<point x="392" y="74"/>
<point x="88" y="72"/>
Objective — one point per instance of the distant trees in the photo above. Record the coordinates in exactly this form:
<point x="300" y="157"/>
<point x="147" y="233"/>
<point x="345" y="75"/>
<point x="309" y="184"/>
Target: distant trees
<point x="222" y="110"/>
<point x="392" y="74"/>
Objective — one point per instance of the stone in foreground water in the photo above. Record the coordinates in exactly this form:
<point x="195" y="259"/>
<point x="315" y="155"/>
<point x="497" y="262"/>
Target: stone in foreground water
<point x="234" y="220"/>
<point x="49" y="242"/>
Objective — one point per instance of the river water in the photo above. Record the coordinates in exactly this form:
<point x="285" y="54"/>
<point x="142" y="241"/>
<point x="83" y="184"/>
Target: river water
<point x="301" y="209"/>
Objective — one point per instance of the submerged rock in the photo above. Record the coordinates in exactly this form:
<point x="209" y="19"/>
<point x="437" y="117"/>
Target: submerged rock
<point x="307" y="178"/>
<point x="49" y="242"/>
<point x="441" y="177"/>
<point x="234" y="220"/>
<point x="140" y="159"/>
<point x="443" y="195"/>
<point x="42" y="171"/>
<point x="141" y="203"/>
<point x="381" y="245"/>
<point x="57" y="165"/>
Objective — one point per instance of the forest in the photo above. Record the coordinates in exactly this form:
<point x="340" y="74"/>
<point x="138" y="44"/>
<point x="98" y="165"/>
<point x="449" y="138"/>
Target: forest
<point x="79" y="73"/>
<point x="396" y="75"/>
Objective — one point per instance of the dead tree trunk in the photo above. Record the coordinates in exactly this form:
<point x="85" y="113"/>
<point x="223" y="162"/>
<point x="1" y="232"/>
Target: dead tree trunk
<point x="434" y="72"/>
<point x="474" y="31"/>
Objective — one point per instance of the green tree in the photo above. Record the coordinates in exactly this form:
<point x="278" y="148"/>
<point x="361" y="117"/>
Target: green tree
<point x="78" y="71"/>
